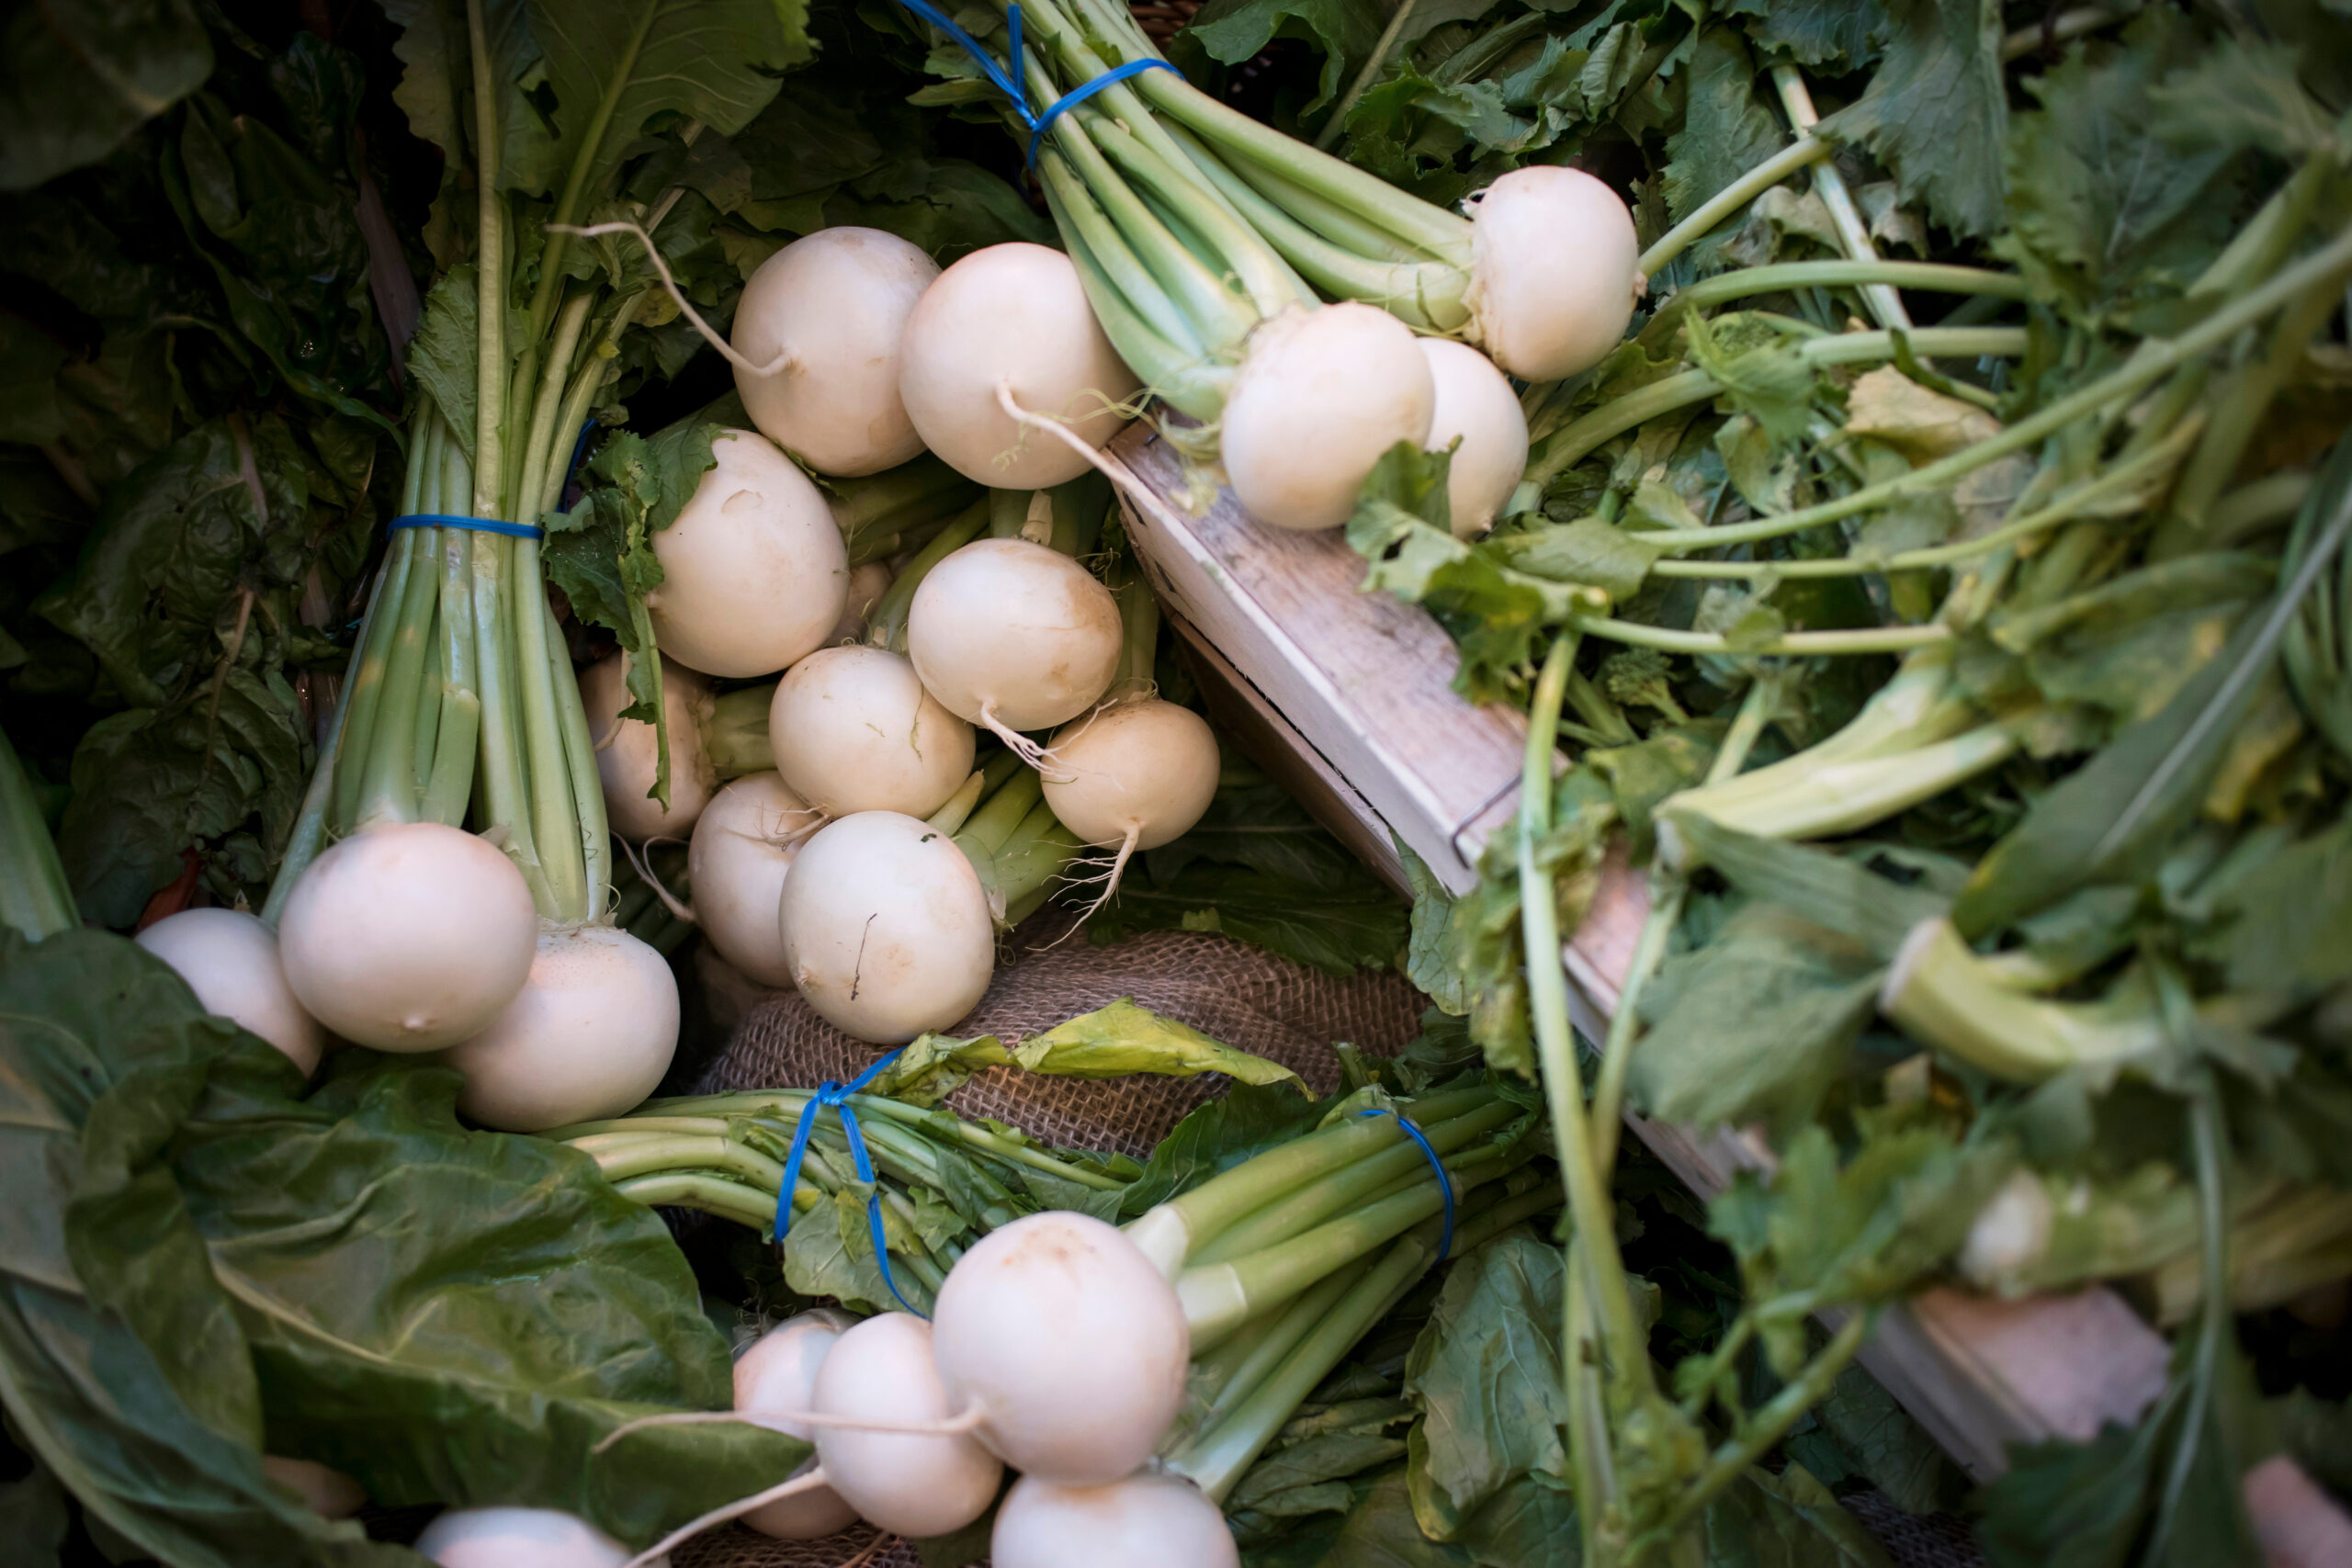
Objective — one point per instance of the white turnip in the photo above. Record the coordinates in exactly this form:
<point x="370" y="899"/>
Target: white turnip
<point x="754" y="573"/>
<point x="914" y="1485"/>
<point x="1142" y="1521"/>
<point x="1553" y="271"/>
<point x="408" y="937"/>
<point x="1132" y="776"/>
<point x="853" y="730"/>
<point x="886" y="929"/>
<point x="627" y="751"/>
<point x="589" y="1035"/>
<point x="1475" y="403"/>
<point x="1069" y="1343"/>
<point x="1010" y="323"/>
<point x="229" y="960"/>
<point x="519" y="1538"/>
<point x="742" y="849"/>
<point x="832" y="306"/>
<point x="1321" y="393"/>
<point x="1013" y="636"/>
<point x="777" y="1372"/>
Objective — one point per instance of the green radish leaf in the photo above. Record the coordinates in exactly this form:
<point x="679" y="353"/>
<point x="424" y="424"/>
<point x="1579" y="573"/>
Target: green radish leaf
<point x="78" y="79"/>
<point x="1787" y="1519"/>
<point x="1840" y="34"/>
<point x="1936" y="109"/>
<point x="1589" y="551"/>
<point x="1310" y="1476"/>
<point x="442" y="356"/>
<point x="1218" y="1135"/>
<point x="1113" y="1041"/>
<point x="2287" y="928"/>
<point x="1726" y="128"/>
<point x="1485" y="1374"/>
<point x="1885" y="1447"/>
<point x="1829" y="890"/>
<point x="1345" y="31"/>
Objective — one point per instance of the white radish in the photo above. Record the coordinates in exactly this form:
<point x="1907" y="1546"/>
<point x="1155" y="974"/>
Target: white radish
<point x="324" y="1490"/>
<point x="853" y="730"/>
<point x="754" y="573"/>
<point x="229" y="960"/>
<point x="867" y="583"/>
<point x="627" y="751"/>
<point x="1070" y="1343"/>
<point x="777" y="1372"/>
<point x="743" y="849"/>
<point x="1013" y="636"/>
<point x="911" y="1485"/>
<point x="519" y="1538"/>
<point x="1143" y="1521"/>
<point x="1321" y="393"/>
<point x="886" y="929"/>
<point x="834" y="306"/>
<point x="1132" y="776"/>
<point x="408" y="937"/>
<point x="1475" y="403"/>
<point x="589" y="1035"/>
<point x="1011" y="322"/>
<point x="1555" y="269"/>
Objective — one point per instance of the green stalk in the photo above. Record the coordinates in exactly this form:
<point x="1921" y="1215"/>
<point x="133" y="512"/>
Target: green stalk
<point x="1366" y="76"/>
<point x="363" y="692"/>
<point x="1269" y="1342"/>
<point x="388" y="790"/>
<point x="1861" y="639"/>
<point x="735" y="736"/>
<point x="35" y="897"/>
<point x="504" y="795"/>
<point x="428" y="707"/>
<point x="875" y="513"/>
<point x="1183" y="377"/>
<point x="950" y="817"/>
<point x="1039" y="850"/>
<point x="1806" y="150"/>
<point x="578" y="761"/>
<point x="1828" y="798"/>
<point x="1624" y="1023"/>
<point x="1940" y="993"/>
<point x="490" y="264"/>
<point x="712" y="1194"/>
<point x="623" y="1155"/>
<point x="567" y="207"/>
<point x="886" y="626"/>
<point x="987" y="830"/>
<point x="309" y="834"/>
<point x="555" y="820"/>
<point x="1939" y="278"/>
<point x="1078" y="212"/>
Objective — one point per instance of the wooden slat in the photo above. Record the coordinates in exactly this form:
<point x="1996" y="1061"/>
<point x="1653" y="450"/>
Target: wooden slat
<point x="1361" y="685"/>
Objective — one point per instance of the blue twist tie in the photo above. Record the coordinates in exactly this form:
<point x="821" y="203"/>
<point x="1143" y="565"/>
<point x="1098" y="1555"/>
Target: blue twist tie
<point x="835" y="1096"/>
<point x="470" y="524"/>
<point x="1007" y="79"/>
<point x="1444" y="1182"/>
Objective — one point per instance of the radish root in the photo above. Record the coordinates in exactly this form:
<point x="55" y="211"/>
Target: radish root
<point x="1110" y="467"/>
<point x="1020" y="745"/>
<point x="644" y="869"/>
<point x="1108" y="878"/>
<point x="686" y="307"/>
<point x="735" y="1510"/>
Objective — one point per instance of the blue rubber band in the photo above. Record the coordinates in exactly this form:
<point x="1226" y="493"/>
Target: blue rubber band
<point x="472" y="525"/>
<point x="578" y="450"/>
<point x="1070" y="100"/>
<point x="1444" y="1182"/>
<point x="835" y="1096"/>
<point x="1007" y="79"/>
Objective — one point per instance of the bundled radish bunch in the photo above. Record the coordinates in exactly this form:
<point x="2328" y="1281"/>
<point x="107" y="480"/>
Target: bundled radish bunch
<point x="1130" y="1374"/>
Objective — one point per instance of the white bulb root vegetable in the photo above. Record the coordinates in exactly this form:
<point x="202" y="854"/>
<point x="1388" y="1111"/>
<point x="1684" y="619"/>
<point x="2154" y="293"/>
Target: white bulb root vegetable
<point x="409" y="936"/>
<point x="1320" y="394"/>
<point x="324" y="1490"/>
<point x="1069" y="1342"/>
<point x="912" y="1485"/>
<point x="1555" y="269"/>
<point x="628" y="752"/>
<point x="1011" y="318"/>
<point x="834" y="306"/>
<point x="1132" y="776"/>
<point x="736" y="864"/>
<point x="886" y="927"/>
<point x="1142" y="1521"/>
<point x="754" y="572"/>
<point x="1475" y="403"/>
<point x="1013" y="636"/>
<point x="519" y="1538"/>
<point x="777" y="1372"/>
<point x="229" y="960"/>
<point x="853" y="729"/>
<point x="590" y="1035"/>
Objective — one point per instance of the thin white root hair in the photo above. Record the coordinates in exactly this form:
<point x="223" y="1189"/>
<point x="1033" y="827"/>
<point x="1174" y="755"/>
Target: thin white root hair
<point x="871" y="1550"/>
<point x="644" y="869"/>
<point x="654" y="254"/>
<point x="1020" y="745"/>
<point x="1109" y="878"/>
<point x="1110" y="467"/>
<point x="735" y="1510"/>
<point x="950" y="1427"/>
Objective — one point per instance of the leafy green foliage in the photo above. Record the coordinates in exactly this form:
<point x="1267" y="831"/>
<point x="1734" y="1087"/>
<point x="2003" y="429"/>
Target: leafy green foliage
<point x="1937" y="110"/>
<point x="83" y="77"/>
<point x="1485" y="1374"/>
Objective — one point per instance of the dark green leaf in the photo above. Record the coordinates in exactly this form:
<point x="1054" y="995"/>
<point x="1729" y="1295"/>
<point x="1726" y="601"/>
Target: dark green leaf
<point x="1726" y="128"/>
<point x="1486" y="1372"/>
<point x="1345" y="31"/>
<point x="79" y="77"/>
<point x="1220" y="1135"/>
<point x="1840" y="34"/>
<point x="1937" y="110"/>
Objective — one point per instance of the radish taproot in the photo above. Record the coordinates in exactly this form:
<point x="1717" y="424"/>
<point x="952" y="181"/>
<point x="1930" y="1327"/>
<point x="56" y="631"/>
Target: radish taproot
<point x="1321" y="393"/>
<point x="1475" y="404"/>
<point x="1007" y="331"/>
<point x="885" y="927"/>
<point x="828" y="313"/>
<point x="853" y="729"/>
<point x="1087" y="1400"/>
<point x="1013" y="636"/>
<point x="1132" y="776"/>
<point x="408" y="937"/>
<point x="229" y="960"/>
<point x="919" y="1486"/>
<point x="741" y="853"/>
<point x="590" y="1033"/>
<point x="1142" y="1521"/>
<point x="777" y="1372"/>
<point x="754" y="573"/>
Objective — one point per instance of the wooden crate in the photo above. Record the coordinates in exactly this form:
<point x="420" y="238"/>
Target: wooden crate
<point x="1347" y="697"/>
